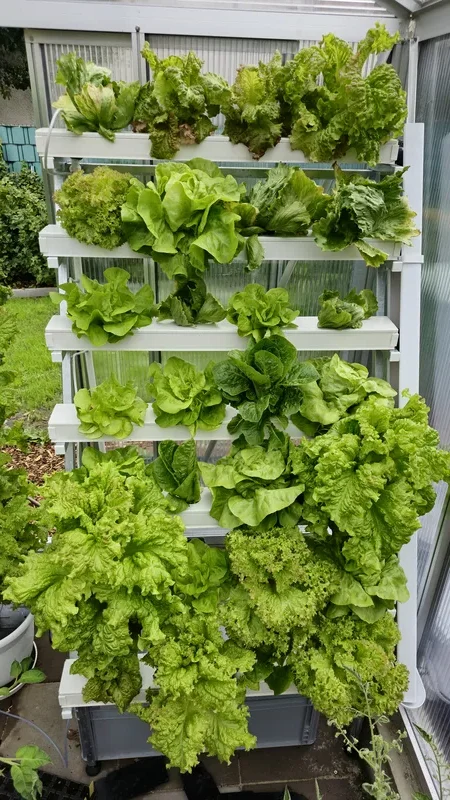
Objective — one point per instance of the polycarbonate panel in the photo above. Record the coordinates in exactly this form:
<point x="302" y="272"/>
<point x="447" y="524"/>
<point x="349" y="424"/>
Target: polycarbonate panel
<point x="116" y="57"/>
<point x="433" y="108"/>
<point x="347" y="7"/>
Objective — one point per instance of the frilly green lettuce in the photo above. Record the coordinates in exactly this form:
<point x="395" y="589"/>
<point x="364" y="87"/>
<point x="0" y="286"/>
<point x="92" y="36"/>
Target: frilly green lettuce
<point x="111" y="409"/>
<point x="257" y="312"/>
<point x="347" y="312"/>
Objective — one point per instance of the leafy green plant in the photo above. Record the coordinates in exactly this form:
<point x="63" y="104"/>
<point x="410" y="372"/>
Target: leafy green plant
<point x="378" y="754"/>
<point x="90" y="206"/>
<point x="257" y="312"/>
<point x="252" y="110"/>
<point x="185" y="395"/>
<point x="104" y="583"/>
<point x="93" y="102"/>
<point x="439" y="766"/>
<point x="106" y="312"/>
<point x="348" y="312"/>
<point x="13" y="61"/>
<point x="362" y="209"/>
<point x="282" y="585"/>
<point x="288" y="202"/>
<point x="24" y="770"/>
<point x="176" y="472"/>
<point x="368" y="480"/>
<point x="206" y="577"/>
<point x="23" y="214"/>
<point x="191" y="213"/>
<point x="111" y="409"/>
<point x="191" y="303"/>
<point x="255" y="486"/>
<point x="175" y="106"/>
<point x="326" y="666"/>
<point x="22" y="672"/>
<point x="329" y="107"/>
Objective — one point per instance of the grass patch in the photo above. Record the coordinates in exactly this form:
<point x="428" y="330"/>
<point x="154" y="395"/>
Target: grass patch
<point x="38" y="378"/>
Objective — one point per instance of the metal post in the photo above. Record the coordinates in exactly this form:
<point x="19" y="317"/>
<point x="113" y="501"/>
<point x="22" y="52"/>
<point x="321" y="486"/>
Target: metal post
<point x="410" y="289"/>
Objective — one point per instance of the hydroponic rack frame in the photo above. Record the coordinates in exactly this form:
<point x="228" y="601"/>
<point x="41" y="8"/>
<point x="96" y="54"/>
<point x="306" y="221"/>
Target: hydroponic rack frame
<point x="377" y="334"/>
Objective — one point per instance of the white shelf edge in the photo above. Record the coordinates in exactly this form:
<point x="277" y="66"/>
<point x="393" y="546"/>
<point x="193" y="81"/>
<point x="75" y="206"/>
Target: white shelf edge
<point x="377" y="333"/>
<point x="54" y="242"/>
<point x="136" y="146"/>
<point x="63" y="427"/>
<point x="70" y="692"/>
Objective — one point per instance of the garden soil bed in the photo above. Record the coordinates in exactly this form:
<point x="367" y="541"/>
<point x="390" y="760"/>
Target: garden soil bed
<point x="40" y="461"/>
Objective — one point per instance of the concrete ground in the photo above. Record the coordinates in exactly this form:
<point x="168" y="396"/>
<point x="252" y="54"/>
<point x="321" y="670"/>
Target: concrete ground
<point x="339" y="775"/>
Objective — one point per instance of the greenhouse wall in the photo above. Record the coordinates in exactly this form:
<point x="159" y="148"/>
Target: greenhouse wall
<point x="433" y="108"/>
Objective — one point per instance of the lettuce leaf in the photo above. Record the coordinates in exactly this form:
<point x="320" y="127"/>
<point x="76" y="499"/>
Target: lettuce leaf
<point x="328" y="105"/>
<point x="191" y="213"/>
<point x="258" y="312"/>
<point x="93" y="101"/>
<point x="254" y="485"/>
<point x="185" y="396"/>
<point x="111" y="409"/>
<point x="106" y="312"/>
<point x="348" y="312"/>
<point x="89" y="206"/>
<point x="340" y="654"/>
<point x="176" y="471"/>
<point x="252" y="109"/>
<point x="191" y="303"/>
<point x="175" y="106"/>
<point x="363" y="209"/>
<point x="288" y="201"/>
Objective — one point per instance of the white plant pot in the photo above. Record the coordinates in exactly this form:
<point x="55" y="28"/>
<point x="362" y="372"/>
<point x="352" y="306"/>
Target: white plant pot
<point x="19" y="643"/>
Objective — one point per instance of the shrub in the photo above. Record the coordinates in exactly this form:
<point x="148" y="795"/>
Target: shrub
<point x="22" y="215"/>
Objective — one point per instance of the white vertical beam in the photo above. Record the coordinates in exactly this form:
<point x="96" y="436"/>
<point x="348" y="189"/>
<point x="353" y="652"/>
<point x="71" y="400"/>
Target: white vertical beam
<point x="409" y="379"/>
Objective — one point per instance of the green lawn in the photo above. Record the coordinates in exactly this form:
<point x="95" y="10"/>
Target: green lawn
<point x="38" y="379"/>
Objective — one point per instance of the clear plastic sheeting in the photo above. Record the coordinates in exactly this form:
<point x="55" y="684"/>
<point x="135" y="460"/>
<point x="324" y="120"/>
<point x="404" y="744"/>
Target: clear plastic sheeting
<point x="354" y="7"/>
<point x="433" y="545"/>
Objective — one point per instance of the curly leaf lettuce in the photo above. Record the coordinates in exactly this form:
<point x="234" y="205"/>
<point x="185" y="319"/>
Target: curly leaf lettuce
<point x="328" y="105"/>
<point x="90" y="206"/>
<point x="363" y="209"/>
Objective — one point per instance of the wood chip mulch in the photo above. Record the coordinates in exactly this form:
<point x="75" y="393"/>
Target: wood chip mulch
<point x="40" y="460"/>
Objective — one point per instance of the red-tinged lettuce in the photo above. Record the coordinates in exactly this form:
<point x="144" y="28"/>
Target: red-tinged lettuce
<point x="329" y="107"/>
<point x="252" y="109"/>
<point x="106" y="312"/>
<point x="93" y="101"/>
<point x="176" y="105"/>
<point x="90" y="206"/>
<point x="111" y="409"/>
<point x="363" y="209"/>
